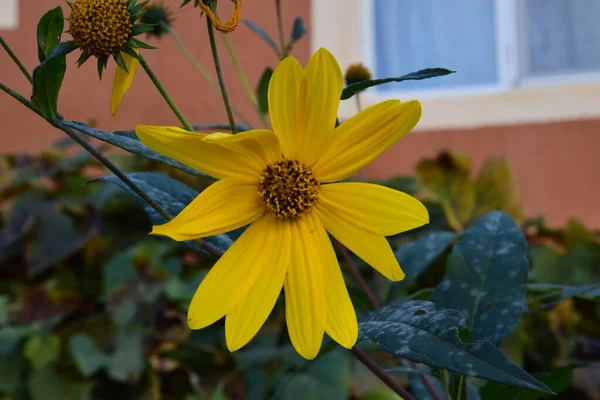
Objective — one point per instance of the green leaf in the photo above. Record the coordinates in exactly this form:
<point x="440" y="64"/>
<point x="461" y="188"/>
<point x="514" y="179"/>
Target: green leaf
<point x="486" y="277"/>
<point x="87" y="355"/>
<point x="558" y="380"/>
<point x="262" y="90"/>
<point x="11" y="369"/>
<point x="495" y="189"/>
<point x="326" y="378"/>
<point x="415" y="257"/>
<point x="263" y="35"/>
<point x="575" y="267"/>
<point x="298" y="31"/>
<point x="45" y="384"/>
<point x="446" y="180"/>
<point x="49" y="31"/>
<point x="427" y="73"/>
<point x="54" y="235"/>
<point x="173" y="196"/>
<point x="416" y="331"/>
<point x="47" y="80"/>
<point x="563" y="292"/>
<point x="128" y="141"/>
<point x="126" y="363"/>
<point x="41" y="351"/>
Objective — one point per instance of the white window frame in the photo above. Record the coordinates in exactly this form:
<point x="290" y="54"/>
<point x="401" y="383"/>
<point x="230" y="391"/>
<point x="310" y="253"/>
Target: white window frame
<point x="345" y="28"/>
<point x="9" y="14"/>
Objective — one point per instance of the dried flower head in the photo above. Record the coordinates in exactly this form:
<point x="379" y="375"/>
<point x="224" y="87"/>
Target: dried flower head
<point x="357" y="73"/>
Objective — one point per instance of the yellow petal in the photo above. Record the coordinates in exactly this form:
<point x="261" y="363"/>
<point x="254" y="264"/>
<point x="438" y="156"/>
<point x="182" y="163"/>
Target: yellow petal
<point x="283" y="103"/>
<point x="220" y="155"/>
<point x="341" y="324"/>
<point x="246" y="318"/>
<point x="222" y="207"/>
<point x="319" y="98"/>
<point x="364" y="137"/>
<point x="305" y="306"/>
<point x="230" y="279"/>
<point x="122" y="81"/>
<point x="374" y="208"/>
<point x="372" y="248"/>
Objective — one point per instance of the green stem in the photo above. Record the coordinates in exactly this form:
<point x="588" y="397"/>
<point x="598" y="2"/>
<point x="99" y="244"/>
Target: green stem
<point x="103" y="160"/>
<point x="198" y="67"/>
<point x="445" y="382"/>
<point x="385" y="378"/>
<point x="461" y="384"/>
<point x="213" y="47"/>
<point x="16" y="60"/>
<point x="245" y="83"/>
<point x="164" y="94"/>
<point x="20" y="99"/>
<point x="358" y="104"/>
<point x="284" y="49"/>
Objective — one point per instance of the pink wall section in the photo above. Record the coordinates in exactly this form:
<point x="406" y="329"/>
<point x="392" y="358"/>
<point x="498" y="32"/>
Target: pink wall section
<point x="556" y="165"/>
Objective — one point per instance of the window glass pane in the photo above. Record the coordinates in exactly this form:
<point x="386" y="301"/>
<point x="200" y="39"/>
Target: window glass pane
<point x="561" y="36"/>
<point x="454" y="34"/>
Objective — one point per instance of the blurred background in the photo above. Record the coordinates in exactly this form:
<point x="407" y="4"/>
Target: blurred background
<point x="92" y="307"/>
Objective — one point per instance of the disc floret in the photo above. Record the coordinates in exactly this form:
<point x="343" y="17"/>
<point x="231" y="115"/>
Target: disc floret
<point x="288" y="189"/>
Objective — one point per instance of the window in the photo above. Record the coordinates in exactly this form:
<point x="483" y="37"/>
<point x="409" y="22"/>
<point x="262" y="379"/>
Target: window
<point x="8" y="14"/>
<point x="517" y="60"/>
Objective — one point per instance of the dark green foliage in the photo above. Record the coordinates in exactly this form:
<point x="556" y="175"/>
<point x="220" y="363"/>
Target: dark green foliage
<point x="486" y="277"/>
<point x="351" y="90"/>
<point x="262" y="90"/>
<point x="416" y="331"/>
<point x="49" y="31"/>
<point x="171" y="195"/>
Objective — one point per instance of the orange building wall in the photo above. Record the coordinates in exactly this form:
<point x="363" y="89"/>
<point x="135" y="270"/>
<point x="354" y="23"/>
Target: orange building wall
<point x="555" y="165"/>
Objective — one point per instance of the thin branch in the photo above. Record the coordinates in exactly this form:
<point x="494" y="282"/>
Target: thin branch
<point x="16" y="60"/>
<point x="215" y="54"/>
<point x="385" y="378"/>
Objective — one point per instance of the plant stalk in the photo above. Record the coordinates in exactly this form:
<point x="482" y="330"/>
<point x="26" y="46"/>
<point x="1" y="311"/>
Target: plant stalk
<point x="16" y="60"/>
<point x="165" y="94"/>
<point x="213" y="47"/>
<point x="244" y="79"/>
<point x="385" y="378"/>
<point x="284" y="49"/>
<point x="198" y="67"/>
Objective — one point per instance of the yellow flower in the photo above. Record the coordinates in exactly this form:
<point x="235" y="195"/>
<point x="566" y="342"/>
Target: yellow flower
<point x="281" y="183"/>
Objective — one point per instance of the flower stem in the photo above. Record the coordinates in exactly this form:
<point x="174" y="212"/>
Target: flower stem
<point x="16" y="60"/>
<point x="164" y="94"/>
<point x="357" y="276"/>
<point x="198" y="67"/>
<point x="284" y="50"/>
<point x="385" y="378"/>
<point x="213" y="47"/>
<point x="245" y="83"/>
